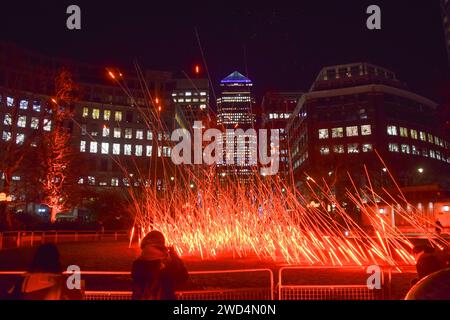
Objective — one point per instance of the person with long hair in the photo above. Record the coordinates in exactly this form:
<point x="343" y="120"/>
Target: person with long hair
<point x="45" y="279"/>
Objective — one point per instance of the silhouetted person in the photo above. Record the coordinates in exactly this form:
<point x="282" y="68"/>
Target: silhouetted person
<point x="158" y="271"/>
<point x="44" y="279"/>
<point x="427" y="261"/>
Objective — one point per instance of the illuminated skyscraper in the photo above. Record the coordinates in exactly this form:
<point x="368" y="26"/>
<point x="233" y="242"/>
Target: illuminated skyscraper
<point x="234" y="114"/>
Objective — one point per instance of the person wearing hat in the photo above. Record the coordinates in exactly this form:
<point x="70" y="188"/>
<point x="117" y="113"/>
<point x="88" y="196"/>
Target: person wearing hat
<point x="158" y="271"/>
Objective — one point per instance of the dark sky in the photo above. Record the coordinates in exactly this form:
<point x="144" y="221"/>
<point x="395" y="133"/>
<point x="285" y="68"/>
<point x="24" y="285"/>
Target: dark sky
<point x="281" y="47"/>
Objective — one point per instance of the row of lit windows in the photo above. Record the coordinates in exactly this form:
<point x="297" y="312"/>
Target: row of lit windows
<point x="300" y="161"/>
<point x="188" y="100"/>
<point x="7" y="136"/>
<point x="127" y="133"/>
<point x="127" y="149"/>
<point x="416" y="135"/>
<point x="95" y="115"/>
<point x="91" y="180"/>
<point x="23" y="104"/>
<point x="351" y="148"/>
<point x="188" y="93"/>
<point x="22" y="122"/>
<point x="279" y="115"/>
<point x="352" y="131"/>
<point x="411" y="149"/>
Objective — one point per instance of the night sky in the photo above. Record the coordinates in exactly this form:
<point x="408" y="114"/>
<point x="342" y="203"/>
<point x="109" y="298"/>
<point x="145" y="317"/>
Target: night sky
<point x="281" y="47"/>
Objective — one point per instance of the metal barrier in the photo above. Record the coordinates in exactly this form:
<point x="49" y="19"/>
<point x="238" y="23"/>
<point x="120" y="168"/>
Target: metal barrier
<point x="259" y="293"/>
<point x="321" y="291"/>
<point x="17" y="239"/>
<point x="226" y="294"/>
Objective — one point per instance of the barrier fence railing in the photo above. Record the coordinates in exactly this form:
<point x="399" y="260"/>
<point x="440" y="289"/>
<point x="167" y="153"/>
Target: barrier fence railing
<point x="332" y="283"/>
<point x="17" y="239"/>
<point x="265" y="292"/>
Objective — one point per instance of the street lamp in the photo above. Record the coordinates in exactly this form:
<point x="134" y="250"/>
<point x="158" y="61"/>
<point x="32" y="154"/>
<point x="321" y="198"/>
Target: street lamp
<point x="420" y="170"/>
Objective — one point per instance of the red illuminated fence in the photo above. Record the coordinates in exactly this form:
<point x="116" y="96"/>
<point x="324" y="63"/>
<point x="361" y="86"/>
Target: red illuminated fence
<point x="263" y="289"/>
<point x="17" y="239"/>
<point x="331" y="283"/>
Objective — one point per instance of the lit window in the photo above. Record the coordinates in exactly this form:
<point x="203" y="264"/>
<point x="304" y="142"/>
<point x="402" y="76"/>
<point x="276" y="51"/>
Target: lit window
<point x="425" y="152"/>
<point x="114" y="182"/>
<point x="436" y="141"/>
<point x="118" y="116"/>
<point x="353" y="148"/>
<point x="366" y="130"/>
<point x="188" y="93"/>
<point x="95" y="114"/>
<point x="393" y="147"/>
<point x="91" y="181"/>
<point x="337" y="132"/>
<point x="127" y="149"/>
<point x="166" y="151"/>
<point x="324" y="150"/>
<point x="323" y="133"/>
<point x="149" y="135"/>
<point x="403" y="132"/>
<point x="405" y="148"/>
<point x="23" y="104"/>
<point x="138" y="150"/>
<point x="6" y="135"/>
<point x="105" y="148"/>
<point x="422" y="136"/>
<point x="139" y="134"/>
<point x="105" y="131"/>
<point x="36" y="106"/>
<point x="338" y="148"/>
<point x="10" y="101"/>
<point x="432" y="154"/>
<point x="415" y="151"/>
<point x="352" y="131"/>
<point x="430" y="138"/>
<point x="117" y="132"/>
<point x="438" y="155"/>
<point x="367" y="147"/>
<point x="106" y="115"/>
<point x="47" y="125"/>
<point x="203" y="93"/>
<point x="82" y="146"/>
<point x="148" y="151"/>
<point x="80" y="181"/>
<point x="85" y="112"/>
<point x="116" y="149"/>
<point x="34" y="123"/>
<point x="8" y="120"/>
<point x="22" y="121"/>
<point x="414" y="134"/>
<point x="392" y="130"/>
<point x="20" y="138"/>
<point x="128" y="133"/>
<point x="93" y="147"/>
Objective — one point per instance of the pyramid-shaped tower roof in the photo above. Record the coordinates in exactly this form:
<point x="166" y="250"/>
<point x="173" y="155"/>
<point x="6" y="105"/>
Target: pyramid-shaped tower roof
<point x="236" y="77"/>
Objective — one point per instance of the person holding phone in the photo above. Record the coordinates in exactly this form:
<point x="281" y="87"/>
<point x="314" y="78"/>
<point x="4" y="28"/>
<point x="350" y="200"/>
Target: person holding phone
<point x="158" y="271"/>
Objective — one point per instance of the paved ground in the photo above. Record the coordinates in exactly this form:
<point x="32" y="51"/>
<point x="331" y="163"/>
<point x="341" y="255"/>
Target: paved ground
<point x="116" y="256"/>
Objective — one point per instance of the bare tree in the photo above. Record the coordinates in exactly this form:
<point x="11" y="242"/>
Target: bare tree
<point x="57" y="148"/>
